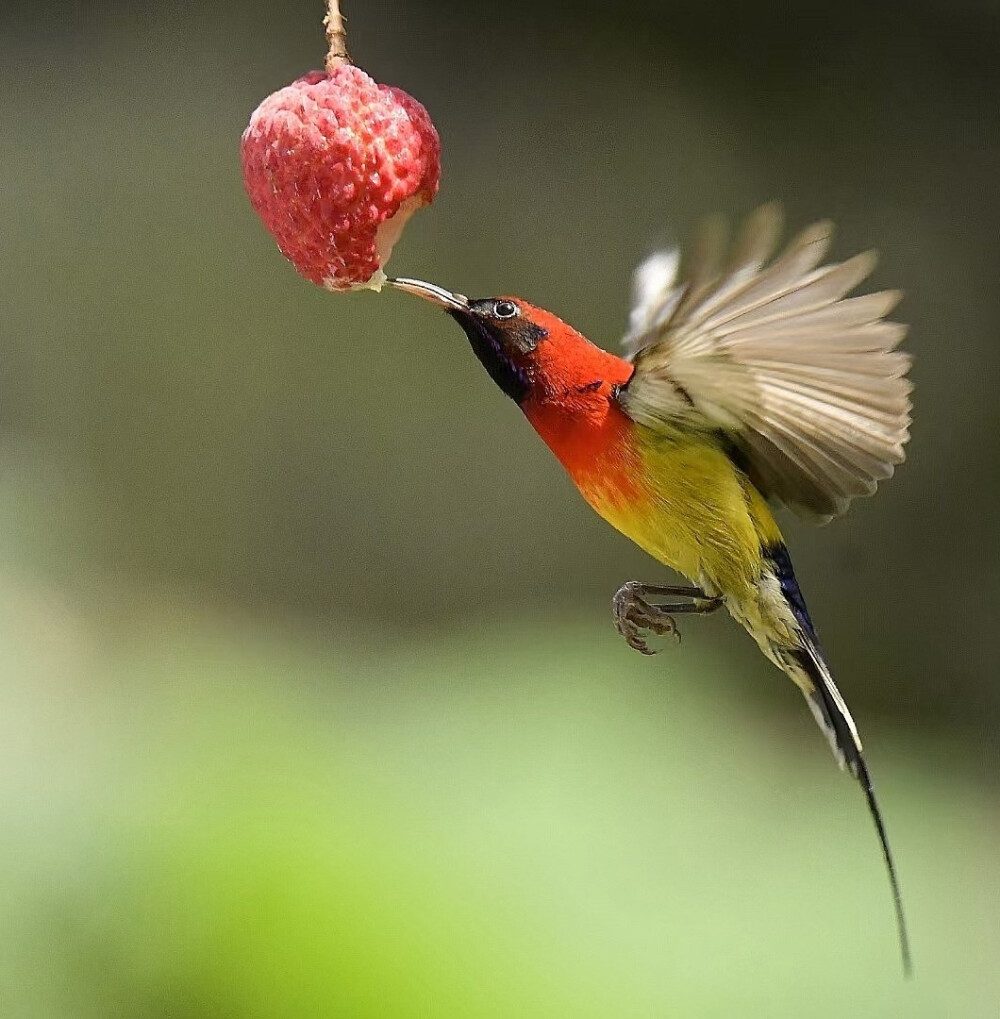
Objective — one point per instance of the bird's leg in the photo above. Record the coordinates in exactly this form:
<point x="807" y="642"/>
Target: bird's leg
<point x="635" y="614"/>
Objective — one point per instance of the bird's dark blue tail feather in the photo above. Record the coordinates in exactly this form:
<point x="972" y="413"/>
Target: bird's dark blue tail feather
<point x="835" y="719"/>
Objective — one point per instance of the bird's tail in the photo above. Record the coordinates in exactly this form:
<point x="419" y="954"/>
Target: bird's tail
<point x="805" y="663"/>
<point x="827" y="705"/>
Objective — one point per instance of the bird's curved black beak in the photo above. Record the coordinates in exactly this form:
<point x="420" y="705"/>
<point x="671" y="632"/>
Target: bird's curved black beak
<point x="435" y="294"/>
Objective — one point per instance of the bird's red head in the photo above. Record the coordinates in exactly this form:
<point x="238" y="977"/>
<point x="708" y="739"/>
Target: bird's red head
<point x="532" y="355"/>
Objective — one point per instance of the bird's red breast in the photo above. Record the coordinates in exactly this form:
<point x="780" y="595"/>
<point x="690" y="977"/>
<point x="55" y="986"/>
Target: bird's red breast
<point x="572" y="405"/>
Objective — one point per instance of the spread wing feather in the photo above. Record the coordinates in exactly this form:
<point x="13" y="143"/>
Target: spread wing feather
<point x="805" y="381"/>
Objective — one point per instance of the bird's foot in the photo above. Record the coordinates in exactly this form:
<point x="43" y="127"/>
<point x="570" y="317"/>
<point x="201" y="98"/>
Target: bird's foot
<point x="636" y="616"/>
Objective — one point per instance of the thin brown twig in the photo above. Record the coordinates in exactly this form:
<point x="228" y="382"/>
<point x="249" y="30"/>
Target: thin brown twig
<point x="336" y="36"/>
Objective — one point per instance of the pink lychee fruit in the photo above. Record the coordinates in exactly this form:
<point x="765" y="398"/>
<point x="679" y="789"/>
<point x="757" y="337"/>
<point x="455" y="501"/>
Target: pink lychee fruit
<point x="335" y="164"/>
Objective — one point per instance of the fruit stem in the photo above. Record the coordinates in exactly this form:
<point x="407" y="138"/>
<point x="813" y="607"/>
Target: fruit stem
<point x="336" y="36"/>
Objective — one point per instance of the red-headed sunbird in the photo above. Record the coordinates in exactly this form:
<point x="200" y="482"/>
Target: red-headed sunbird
<point x="747" y="380"/>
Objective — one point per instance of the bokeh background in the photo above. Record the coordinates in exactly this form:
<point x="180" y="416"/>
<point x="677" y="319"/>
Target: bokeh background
<point x="310" y="704"/>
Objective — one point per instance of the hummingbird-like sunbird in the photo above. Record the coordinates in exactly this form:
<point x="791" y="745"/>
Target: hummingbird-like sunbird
<point x="747" y="380"/>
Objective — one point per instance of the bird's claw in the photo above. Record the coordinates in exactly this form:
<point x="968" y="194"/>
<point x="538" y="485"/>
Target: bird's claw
<point x="635" y="617"/>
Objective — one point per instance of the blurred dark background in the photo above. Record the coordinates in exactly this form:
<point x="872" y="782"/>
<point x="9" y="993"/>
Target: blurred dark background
<point x="225" y="494"/>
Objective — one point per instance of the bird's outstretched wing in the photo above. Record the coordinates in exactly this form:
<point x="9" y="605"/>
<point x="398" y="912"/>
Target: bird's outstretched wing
<point x="804" y="381"/>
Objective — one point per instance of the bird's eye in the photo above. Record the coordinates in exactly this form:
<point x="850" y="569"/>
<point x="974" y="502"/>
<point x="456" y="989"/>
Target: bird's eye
<point x="505" y="309"/>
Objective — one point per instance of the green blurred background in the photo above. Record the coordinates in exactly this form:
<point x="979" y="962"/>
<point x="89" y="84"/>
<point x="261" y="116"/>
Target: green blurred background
<point x="310" y="704"/>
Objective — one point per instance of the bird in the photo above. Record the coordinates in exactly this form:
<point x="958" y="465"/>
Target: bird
<point x="750" y="380"/>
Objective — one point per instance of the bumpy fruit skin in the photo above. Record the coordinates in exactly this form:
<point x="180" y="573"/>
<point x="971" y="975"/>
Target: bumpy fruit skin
<point x="334" y="164"/>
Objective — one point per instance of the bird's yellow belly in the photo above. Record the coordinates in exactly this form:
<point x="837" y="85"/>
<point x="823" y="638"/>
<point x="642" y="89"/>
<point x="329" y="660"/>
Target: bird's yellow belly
<point x="682" y="502"/>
